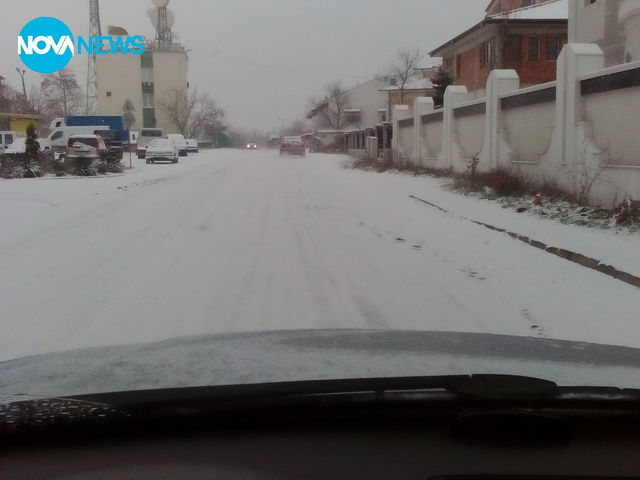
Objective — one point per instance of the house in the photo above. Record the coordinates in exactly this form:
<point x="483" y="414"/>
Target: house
<point x="15" y="112"/>
<point x="365" y="105"/>
<point x="417" y="85"/>
<point x="524" y="35"/>
<point x="614" y="25"/>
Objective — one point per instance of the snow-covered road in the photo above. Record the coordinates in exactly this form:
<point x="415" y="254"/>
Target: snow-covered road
<point x="230" y="241"/>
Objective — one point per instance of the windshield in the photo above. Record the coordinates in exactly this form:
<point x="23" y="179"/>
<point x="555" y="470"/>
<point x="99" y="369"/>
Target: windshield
<point x="457" y="191"/>
<point x="162" y="143"/>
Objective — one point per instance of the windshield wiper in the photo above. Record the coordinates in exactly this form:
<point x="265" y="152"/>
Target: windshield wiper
<point x="463" y="386"/>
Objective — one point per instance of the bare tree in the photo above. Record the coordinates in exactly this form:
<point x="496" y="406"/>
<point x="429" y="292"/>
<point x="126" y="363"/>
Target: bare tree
<point x="400" y="72"/>
<point x="192" y="114"/>
<point x="331" y="107"/>
<point x="207" y="118"/>
<point x="177" y="106"/>
<point x="62" y="93"/>
<point x="297" y="127"/>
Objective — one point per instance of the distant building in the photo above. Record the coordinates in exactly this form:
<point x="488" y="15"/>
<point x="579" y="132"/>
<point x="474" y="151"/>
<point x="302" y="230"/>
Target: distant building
<point x="524" y="35"/>
<point x="144" y="80"/>
<point x="418" y="85"/>
<point x="367" y="106"/>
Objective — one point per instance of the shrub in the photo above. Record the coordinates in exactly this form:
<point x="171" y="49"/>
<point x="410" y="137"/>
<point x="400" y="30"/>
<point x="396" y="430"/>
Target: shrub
<point x="82" y="167"/>
<point x="58" y="168"/>
<point x="26" y="167"/>
<point x="109" y="165"/>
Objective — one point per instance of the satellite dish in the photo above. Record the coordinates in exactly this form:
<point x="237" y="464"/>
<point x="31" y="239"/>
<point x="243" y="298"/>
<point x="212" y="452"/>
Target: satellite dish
<point x="115" y="31"/>
<point x="153" y="15"/>
<point x="160" y="3"/>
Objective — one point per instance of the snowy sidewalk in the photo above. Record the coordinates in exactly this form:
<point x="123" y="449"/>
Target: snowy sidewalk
<point x="618" y="250"/>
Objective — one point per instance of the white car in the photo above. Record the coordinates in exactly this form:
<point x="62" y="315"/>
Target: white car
<point x="180" y="142"/>
<point x="192" y="145"/>
<point x="162" y="149"/>
<point x="20" y="146"/>
<point x="85" y="146"/>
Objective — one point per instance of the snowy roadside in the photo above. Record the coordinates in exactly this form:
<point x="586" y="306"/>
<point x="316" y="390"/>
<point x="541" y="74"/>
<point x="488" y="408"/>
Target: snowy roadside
<point x="618" y="248"/>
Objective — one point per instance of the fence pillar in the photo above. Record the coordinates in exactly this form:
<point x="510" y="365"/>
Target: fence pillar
<point x="399" y="111"/>
<point x="575" y="59"/>
<point x="499" y="82"/>
<point x="450" y="153"/>
<point x="422" y="105"/>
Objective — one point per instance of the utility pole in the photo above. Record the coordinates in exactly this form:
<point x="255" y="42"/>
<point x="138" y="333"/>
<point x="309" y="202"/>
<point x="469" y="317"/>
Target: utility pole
<point x="282" y="129"/>
<point x="24" y="88"/>
<point x="91" y="106"/>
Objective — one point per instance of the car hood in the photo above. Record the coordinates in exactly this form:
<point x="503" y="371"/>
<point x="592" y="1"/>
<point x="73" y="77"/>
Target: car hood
<point x="263" y="357"/>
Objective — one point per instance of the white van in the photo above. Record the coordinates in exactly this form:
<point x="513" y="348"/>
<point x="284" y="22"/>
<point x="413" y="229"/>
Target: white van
<point x="145" y="136"/>
<point x="6" y="139"/>
<point x="59" y="137"/>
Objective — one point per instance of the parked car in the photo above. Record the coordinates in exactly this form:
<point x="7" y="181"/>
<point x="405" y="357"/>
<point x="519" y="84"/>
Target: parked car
<point x="86" y="146"/>
<point x="252" y="146"/>
<point x="145" y="137"/>
<point x="192" y="145"/>
<point x="162" y="149"/>
<point x="20" y="146"/>
<point x="180" y="142"/>
<point x="292" y="146"/>
<point x="274" y="141"/>
<point x="113" y="142"/>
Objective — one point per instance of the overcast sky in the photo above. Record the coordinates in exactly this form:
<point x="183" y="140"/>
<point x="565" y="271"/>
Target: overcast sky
<point x="262" y="59"/>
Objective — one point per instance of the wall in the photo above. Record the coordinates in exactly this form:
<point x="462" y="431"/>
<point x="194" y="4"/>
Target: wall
<point x="405" y="137"/>
<point x="119" y="78"/>
<point x="170" y="73"/>
<point x="581" y="129"/>
<point x="369" y="97"/>
<point x="528" y="121"/>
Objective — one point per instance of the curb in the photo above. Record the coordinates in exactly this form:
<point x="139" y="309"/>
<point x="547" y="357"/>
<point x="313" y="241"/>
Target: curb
<point x="574" y="257"/>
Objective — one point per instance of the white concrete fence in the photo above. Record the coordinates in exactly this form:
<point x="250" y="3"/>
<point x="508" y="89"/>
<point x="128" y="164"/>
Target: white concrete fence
<point x="581" y="132"/>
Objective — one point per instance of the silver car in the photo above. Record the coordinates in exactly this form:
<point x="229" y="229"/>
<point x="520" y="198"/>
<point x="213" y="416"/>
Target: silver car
<point x="162" y="149"/>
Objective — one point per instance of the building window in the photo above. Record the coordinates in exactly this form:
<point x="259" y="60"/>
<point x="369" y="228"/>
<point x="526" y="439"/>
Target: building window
<point x="147" y="100"/>
<point x="108" y="94"/>
<point x="515" y="49"/>
<point x="352" y="115"/>
<point x="147" y="75"/>
<point x="553" y="47"/>
<point x="533" y="48"/>
<point x="382" y="115"/>
<point x="485" y="53"/>
<point x="458" y="68"/>
<point x="526" y="3"/>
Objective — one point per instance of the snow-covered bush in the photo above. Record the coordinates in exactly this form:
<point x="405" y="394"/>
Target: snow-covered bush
<point x="82" y="167"/>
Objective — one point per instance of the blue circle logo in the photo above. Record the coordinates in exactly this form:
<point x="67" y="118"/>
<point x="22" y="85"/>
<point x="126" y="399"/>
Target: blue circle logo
<point x="46" y="45"/>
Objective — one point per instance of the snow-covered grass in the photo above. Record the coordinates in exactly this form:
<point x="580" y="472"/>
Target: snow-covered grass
<point x="234" y="241"/>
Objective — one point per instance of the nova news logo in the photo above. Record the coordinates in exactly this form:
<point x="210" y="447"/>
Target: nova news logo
<point x="46" y="45"/>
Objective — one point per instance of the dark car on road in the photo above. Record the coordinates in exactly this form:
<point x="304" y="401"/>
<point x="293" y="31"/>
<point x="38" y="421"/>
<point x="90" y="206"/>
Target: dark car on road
<point x="292" y="146"/>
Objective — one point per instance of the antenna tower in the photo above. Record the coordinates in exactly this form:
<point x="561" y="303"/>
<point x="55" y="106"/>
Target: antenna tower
<point x="92" y="70"/>
<point x="163" y="31"/>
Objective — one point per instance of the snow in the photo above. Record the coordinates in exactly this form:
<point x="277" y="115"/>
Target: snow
<point x="553" y="10"/>
<point x="235" y="241"/>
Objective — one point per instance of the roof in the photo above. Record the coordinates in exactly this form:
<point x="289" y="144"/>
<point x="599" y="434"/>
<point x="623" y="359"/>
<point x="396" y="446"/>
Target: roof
<point x="553" y="10"/>
<point x="412" y="84"/>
